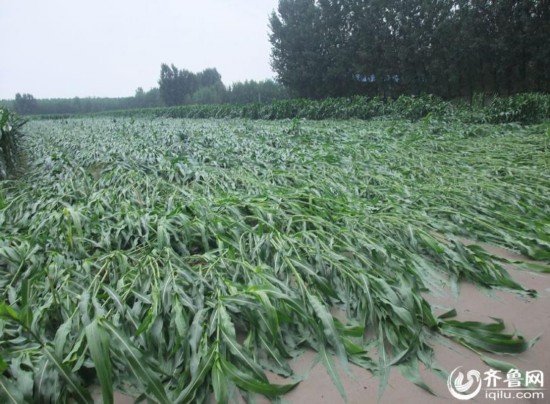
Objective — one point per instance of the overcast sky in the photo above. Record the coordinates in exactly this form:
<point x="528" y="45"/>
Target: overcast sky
<point x="109" y="48"/>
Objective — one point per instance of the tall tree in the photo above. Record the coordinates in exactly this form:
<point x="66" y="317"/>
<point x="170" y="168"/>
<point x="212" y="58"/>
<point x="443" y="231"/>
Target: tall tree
<point x="178" y="86"/>
<point x="389" y="47"/>
<point x="167" y="84"/>
<point x="297" y="53"/>
<point x="209" y="77"/>
<point x="25" y="104"/>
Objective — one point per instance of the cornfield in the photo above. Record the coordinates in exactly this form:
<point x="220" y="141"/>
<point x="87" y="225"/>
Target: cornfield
<point x="183" y="260"/>
<point x="527" y="108"/>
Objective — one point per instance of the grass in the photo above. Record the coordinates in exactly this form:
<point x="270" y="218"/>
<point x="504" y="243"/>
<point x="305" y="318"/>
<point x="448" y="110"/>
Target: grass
<point x="178" y="259"/>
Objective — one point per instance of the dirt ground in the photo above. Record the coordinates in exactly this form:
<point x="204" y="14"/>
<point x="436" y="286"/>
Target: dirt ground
<point x="529" y="316"/>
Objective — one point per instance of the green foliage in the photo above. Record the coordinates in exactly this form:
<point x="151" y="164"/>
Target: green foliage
<point x="99" y="346"/>
<point x="76" y="105"/>
<point x="298" y="55"/>
<point x="415" y="108"/>
<point x="214" y="94"/>
<point x="25" y="104"/>
<point x="390" y="48"/>
<point x="251" y="91"/>
<point x="10" y="134"/>
<point x="522" y="108"/>
<point x="181" y="86"/>
<point x="176" y="259"/>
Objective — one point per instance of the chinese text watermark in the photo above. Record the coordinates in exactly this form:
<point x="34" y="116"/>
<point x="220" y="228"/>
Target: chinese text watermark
<point x="496" y="384"/>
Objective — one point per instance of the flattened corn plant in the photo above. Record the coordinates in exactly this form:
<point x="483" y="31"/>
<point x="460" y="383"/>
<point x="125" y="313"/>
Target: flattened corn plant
<point x="183" y="260"/>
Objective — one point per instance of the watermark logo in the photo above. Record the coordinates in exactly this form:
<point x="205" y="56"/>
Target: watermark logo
<point x="496" y="384"/>
<point x="464" y="390"/>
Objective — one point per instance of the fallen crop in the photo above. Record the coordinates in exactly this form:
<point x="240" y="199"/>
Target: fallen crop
<point x="180" y="259"/>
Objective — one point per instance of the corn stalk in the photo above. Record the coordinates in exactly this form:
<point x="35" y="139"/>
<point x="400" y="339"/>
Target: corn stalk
<point x="179" y="259"/>
<point x="10" y="126"/>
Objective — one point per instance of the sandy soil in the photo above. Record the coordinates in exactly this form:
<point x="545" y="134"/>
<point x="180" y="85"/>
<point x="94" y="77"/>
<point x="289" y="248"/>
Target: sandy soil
<point x="530" y="316"/>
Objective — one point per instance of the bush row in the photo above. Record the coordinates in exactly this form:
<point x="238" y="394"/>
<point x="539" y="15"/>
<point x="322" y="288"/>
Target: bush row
<point x="523" y="108"/>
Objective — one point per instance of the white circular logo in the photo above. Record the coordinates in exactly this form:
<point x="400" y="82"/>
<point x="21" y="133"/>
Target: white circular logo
<point x="463" y="390"/>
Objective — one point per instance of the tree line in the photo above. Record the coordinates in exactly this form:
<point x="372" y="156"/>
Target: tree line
<point x="180" y="87"/>
<point x="450" y="48"/>
<point x="340" y="48"/>
<point x="176" y="87"/>
<point x="27" y="104"/>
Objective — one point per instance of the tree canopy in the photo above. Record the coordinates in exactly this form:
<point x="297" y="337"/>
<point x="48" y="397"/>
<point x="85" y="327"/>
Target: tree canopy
<point x="450" y="48"/>
<point x="255" y="91"/>
<point x="25" y="104"/>
<point x="180" y="86"/>
<point x="177" y="86"/>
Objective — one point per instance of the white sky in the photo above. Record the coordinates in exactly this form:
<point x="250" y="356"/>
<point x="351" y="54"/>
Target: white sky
<point x="109" y="48"/>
